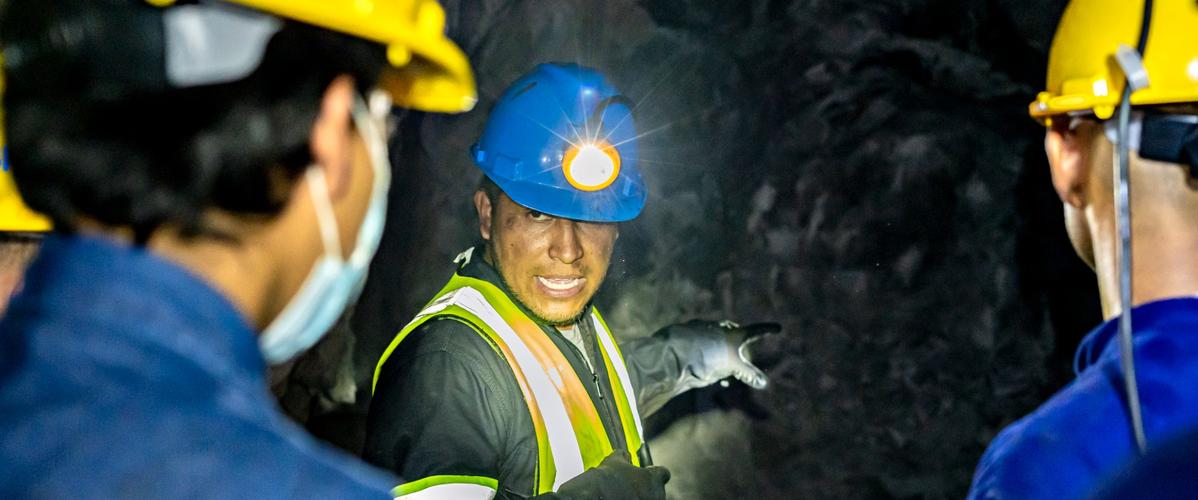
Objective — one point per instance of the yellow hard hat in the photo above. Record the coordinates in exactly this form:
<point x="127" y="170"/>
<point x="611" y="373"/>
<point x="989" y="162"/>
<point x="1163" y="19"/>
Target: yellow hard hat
<point x="15" y="217"/>
<point x="1083" y="75"/>
<point x="427" y="71"/>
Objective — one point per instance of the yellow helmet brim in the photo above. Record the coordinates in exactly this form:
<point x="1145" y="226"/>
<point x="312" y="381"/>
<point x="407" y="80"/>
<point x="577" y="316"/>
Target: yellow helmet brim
<point x="15" y="217"/>
<point x="427" y="71"/>
<point x="1083" y="75"/>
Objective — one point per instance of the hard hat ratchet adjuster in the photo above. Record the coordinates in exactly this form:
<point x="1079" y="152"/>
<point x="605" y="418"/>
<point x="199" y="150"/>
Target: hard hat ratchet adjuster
<point x="1171" y="139"/>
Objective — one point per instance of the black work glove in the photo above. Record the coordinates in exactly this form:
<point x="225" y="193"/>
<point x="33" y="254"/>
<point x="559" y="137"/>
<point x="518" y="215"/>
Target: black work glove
<point x="722" y="350"/>
<point x="615" y="478"/>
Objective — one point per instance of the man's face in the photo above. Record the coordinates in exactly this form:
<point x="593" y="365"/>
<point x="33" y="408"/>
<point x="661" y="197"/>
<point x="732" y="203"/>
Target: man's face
<point x="553" y="266"/>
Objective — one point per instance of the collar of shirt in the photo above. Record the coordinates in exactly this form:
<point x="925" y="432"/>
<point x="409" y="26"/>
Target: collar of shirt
<point x="1146" y="318"/>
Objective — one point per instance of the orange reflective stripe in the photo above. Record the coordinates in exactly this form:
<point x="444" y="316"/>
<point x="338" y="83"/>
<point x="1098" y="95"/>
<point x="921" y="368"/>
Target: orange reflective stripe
<point x="584" y="417"/>
<point x="441" y="307"/>
<point x="546" y="471"/>
<point x="559" y="454"/>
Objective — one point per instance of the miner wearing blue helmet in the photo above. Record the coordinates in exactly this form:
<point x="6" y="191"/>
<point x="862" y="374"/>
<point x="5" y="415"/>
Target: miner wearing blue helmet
<point x="509" y="384"/>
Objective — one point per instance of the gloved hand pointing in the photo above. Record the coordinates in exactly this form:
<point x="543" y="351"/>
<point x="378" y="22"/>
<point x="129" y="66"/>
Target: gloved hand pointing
<point x="720" y="350"/>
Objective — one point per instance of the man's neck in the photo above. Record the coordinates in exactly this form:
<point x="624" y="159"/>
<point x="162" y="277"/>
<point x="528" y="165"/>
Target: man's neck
<point x="241" y="273"/>
<point x="245" y="265"/>
<point x="1164" y="261"/>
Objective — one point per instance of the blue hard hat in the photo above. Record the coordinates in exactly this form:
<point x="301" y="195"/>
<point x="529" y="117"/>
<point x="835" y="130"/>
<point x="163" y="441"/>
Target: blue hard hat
<point x="562" y="141"/>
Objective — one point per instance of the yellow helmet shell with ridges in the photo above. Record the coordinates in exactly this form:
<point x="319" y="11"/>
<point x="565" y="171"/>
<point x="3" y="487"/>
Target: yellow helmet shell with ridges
<point x="1083" y="76"/>
<point x="15" y="217"/>
<point x="427" y="71"/>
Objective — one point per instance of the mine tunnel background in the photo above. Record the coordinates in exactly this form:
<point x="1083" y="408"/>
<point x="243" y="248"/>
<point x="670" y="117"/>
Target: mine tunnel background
<point x="863" y="172"/>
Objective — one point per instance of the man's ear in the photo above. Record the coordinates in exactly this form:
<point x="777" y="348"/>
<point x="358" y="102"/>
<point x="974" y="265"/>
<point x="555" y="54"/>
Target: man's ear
<point x="331" y="139"/>
<point x="1067" y="162"/>
<point x="482" y="205"/>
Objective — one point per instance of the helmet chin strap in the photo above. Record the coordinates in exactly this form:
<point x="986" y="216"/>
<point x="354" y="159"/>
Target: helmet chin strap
<point x="1131" y="63"/>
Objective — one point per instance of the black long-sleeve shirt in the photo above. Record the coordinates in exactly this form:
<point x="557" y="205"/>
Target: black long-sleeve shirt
<point x="447" y="404"/>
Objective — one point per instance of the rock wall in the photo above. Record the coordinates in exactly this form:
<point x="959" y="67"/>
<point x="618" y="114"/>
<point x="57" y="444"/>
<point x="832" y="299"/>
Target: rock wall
<point x="861" y="171"/>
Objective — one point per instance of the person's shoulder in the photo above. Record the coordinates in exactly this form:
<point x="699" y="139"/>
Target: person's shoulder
<point x="1055" y="450"/>
<point x="316" y="470"/>
<point x="1021" y="462"/>
<point x="181" y="447"/>
<point x="445" y="343"/>
<point x="263" y="456"/>
<point x="448" y="336"/>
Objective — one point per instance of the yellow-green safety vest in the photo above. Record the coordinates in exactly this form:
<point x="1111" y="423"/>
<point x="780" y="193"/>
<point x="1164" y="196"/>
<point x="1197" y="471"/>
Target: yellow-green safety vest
<point x="570" y="435"/>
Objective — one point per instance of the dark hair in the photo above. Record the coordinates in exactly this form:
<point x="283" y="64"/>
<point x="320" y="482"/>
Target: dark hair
<point x="488" y="186"/>
<point x="147" y="158"/>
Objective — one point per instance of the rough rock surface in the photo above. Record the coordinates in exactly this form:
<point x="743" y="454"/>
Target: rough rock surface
<point x="861" y="171"/>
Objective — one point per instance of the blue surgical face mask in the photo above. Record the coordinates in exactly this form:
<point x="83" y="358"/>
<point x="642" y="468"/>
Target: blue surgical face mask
<point x="334" y="282"/>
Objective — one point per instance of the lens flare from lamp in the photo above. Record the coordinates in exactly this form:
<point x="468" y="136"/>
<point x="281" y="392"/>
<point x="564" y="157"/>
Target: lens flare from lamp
<point x="591" y="166"/>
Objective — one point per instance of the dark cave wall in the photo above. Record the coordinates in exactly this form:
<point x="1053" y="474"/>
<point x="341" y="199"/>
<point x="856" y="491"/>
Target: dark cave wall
<point x="861" y="171"/>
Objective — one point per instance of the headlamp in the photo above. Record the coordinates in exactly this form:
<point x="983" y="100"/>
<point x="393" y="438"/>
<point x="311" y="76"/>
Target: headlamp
<point x="591" y="166"/>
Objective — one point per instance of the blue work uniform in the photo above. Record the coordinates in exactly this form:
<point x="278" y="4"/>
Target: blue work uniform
<point x="124" y="376"/>
<point x="1081" y="438"/>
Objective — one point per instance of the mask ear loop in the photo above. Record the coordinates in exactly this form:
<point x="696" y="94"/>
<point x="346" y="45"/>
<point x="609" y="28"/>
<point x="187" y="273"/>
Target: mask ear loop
<point x="318" y="187"/>
<point x="1136" y="78"/>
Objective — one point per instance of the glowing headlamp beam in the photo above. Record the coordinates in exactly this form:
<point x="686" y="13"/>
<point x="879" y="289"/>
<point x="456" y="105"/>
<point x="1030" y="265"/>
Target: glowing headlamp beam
<point x="591" y="166"/>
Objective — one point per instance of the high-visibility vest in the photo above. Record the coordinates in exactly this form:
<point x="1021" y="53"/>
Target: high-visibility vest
<point x="570" y="435"/>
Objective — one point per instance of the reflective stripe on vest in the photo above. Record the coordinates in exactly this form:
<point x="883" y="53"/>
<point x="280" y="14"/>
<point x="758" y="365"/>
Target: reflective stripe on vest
<point x="629" y="413"/>
<point x="451" y="491"/>
<point x="570" y="435"/>
<point x="448" y="488"/>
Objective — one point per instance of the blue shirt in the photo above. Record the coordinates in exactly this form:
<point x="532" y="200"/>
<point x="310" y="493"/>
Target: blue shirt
<point x="123" y="376"/>
<point x="1081" y="438"/>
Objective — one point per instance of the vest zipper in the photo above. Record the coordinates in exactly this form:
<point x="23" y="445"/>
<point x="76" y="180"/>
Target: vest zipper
<point x="590" y="364"/>
<point x="611" y="423"/>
